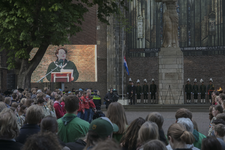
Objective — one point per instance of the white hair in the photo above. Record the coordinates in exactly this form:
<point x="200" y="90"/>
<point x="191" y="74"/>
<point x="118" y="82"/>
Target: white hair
<point x="15" y="91"/>
<point x="187" y="123"/>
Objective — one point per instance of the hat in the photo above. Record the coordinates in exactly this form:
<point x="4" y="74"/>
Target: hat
<point x="201" y="80"/>
<point x="138" y="81"/>
<point x="188" y="80"/>
<point x="47" y="96"/>
<point x="153" y="80"/>
<point x="210" y="80"/>
<point x="195" y="80"/>
<point x="69" y="92"/>
<point x="60" y="90"/>
<point x="145" y="80"/>
<point x="80" y="89"/>
<point x="103" y="127"/>
<point x="130" y="80"/>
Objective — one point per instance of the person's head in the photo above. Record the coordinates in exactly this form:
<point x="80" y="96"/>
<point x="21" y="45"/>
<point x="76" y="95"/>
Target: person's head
<point x="8" y="124"/>
<point x="183" y="113"/>
<point x="148" y="131"/>
<point x="210" y="112"/>
<point x="61" y="53"/>
<point x="116" y="114"/>
<point x="57" y="97"/>
<point x="110" y="90"/>
<point x="100" y="129"/>
<point x="49" y="124"/>
<point x="104" y="145"/>
<point x="23" y="101"/>
<point x="177" y="134"/>
<point x="42" y="141"/>
<point x="195" y="125"/>
<point x="40" y="101"/>
<point x="222" y="97"/>
<point x="77" y="93"/>
<point x="15" y="105"/>
<point x="131" y="134"/>
<point x="219" y="130"/>
<point x="216" y="110"/>
<point x="187" y="123"/>
<point x="40" y="95"/>
<point x="211" y="143"/>
<point x="29" y="102"/>
<point x="2" y="106"/>
<point x="23" y="109"/>
<point x="34" y="114"/>
<point x="88" y="92"/>
<point x="157" y="118"/>
<point x="14" y="96"/>
<point x="7" y="100"/>
<point x="84" y="93"/>
<point x="221" y="116"/>
<point x="71" y="104"/>
<point x="63" y="98"/>
<point x="154" y="145"/>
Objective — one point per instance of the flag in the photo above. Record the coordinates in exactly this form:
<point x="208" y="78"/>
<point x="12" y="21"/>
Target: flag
<point x="125" y="65"/>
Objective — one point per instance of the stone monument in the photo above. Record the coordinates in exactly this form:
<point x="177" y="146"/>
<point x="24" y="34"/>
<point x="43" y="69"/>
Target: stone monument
<point x="171" y="65"/>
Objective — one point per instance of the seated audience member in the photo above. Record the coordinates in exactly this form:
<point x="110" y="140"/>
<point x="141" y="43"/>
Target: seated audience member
<point x="185" y="113"/>
<point x="33" y="117"/>
<point x="100" y="130"/>
<point x="49" y="124"/>
<point x="158" y="119"/>
<point x="179" y="137"/>
<point x="58" y="108"/>
<point x="21" y="117"/>
<point x="104" y="145"/>
<point x="116" y="114"/>
<point x="42" y="141"/>
<point x="129" y="139"/>
<point x="215" y="111"/>
<point x="70" y="123"/>
<point x="154" y="145"/>
<point x="2" y="106"/>
<point x="148" y="131"/>
<point x="9" y="131"/>
<point x="187" y="123"/>
<point x="211" y="143"/>
<point x="8" y="102"/>
<point x="219" y="133"/>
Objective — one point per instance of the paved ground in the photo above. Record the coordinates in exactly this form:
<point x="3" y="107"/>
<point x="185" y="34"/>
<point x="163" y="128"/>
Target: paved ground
<point x="169" y="117"/>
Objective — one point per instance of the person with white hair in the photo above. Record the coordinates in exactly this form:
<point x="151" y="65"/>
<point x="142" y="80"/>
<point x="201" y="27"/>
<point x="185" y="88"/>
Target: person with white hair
<point x="187" y="123"/>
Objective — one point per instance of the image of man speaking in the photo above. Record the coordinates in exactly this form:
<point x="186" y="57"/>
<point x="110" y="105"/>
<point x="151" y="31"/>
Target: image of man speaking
<point x="62" y="63"/>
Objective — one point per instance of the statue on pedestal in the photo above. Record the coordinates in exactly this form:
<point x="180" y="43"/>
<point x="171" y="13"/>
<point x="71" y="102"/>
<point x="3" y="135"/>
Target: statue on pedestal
<point x="170" y="24"/>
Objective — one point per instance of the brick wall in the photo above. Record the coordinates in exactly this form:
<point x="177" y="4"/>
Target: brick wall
<point x="198" y="67"/>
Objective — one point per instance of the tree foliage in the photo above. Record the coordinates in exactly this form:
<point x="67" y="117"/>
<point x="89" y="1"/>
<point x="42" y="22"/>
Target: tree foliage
<point x="26" y="24"/>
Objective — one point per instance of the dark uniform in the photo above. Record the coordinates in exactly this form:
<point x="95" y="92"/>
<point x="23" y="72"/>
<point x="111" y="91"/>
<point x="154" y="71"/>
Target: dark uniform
<point x="210" y="89"/>
<point x="138" y="91"/>
<point x="153" y="90"/>
<point x="132" y="94"/>
<point x="188" y="90"/>
<point x="202" y="91"/>
<point x="145" y="91"/>
<point x="195" y="91"/>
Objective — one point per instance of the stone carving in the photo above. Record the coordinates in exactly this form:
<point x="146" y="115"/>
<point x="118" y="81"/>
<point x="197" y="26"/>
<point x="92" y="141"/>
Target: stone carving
<point x="170" y="24"/>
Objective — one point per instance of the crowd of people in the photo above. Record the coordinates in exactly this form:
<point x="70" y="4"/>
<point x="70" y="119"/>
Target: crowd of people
<point x="57" y="120"/>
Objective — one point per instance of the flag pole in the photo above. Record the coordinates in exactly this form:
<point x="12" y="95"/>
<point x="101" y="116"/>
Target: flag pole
<point x="122" y="60"/>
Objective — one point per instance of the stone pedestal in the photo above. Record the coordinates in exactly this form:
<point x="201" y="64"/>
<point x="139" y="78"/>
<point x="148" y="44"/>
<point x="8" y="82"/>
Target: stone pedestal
<point x="171" y="76"/>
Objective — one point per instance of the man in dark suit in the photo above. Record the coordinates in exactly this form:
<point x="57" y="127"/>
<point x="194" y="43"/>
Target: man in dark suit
<point x="132" y="93"/>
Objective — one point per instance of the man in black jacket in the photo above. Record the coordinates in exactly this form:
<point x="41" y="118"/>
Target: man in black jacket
<point x="110" y="97"/>
<point x="132" y="93"/>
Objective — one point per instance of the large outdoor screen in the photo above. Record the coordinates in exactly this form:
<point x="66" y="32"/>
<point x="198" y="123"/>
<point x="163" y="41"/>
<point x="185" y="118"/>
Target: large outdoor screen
<point x="68" y="63"/>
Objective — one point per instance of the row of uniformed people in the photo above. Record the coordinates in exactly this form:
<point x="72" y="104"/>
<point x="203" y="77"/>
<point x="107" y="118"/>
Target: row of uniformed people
<point x="198" y="90"/>
<point x="138" y="90"/>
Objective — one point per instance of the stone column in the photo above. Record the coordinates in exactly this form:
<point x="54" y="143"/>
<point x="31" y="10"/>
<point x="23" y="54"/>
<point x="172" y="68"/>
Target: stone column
<point x="171" y="76"/>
